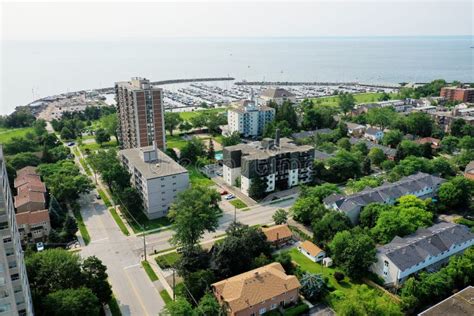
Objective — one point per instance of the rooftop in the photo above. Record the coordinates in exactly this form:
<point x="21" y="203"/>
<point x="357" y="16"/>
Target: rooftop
<point x="311" y="248"/>
<point x="277" y="232"/>
<point x="351" y="125"/>
<point x="412" y="249"/>
<point x="372" y="131"/>
<point x="162" y="166"/>
<point x="255" y="286"/>
<point x="277" y="93"/>
<point x="391" y="152"/>
<point x="263" y="150"/>
<point x="385" y="192"/>
<point x="32" y="218"/>
<point x="459" y="304"/>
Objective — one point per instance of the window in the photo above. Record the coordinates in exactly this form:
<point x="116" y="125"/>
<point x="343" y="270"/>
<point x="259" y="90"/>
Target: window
<point x="262" y="311"/>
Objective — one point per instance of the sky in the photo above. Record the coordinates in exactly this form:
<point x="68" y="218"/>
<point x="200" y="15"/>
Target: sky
<point x="110" y="20"/>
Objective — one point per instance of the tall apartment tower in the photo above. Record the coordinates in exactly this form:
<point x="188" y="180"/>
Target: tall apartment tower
<point x="15" y="296"/>
<point x="140" y="113"/>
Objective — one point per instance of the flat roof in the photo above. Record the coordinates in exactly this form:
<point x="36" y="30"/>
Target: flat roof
<point x="257" y="150"/>
<point x="163" y="166"/>
<point x="459" y="304"/>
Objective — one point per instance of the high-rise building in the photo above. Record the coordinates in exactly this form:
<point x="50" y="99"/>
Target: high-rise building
<point x="15" y="296"/>
<point x="140" y="114"/>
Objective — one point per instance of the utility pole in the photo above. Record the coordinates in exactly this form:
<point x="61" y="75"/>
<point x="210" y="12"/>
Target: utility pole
<point x="174" y="286"/>
<point x="235" y="214"/>
<point x="144" y="243"/>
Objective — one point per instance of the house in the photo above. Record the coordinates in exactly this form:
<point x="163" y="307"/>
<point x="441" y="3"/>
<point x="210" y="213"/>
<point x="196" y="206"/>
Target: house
<point x="469" y="171"/>
<point x="31" y="191"/>
<point x="277" y="95"/>
<point x="435" y="142"/>
<point x="310" y="250"/>
<point x="278" y="235"/>
<point x="389" y="152"/>
<point x="458" y="304"/>
<point x="421" y="185"/>
<point x="426" y="249"/>
<point x="33" y="226"/>
<point x="354" y="129"/>
<point x="373" y="134"/>
<point x="257" y="291"/>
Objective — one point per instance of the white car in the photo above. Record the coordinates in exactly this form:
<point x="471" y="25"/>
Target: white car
<point x="230" y="197"/>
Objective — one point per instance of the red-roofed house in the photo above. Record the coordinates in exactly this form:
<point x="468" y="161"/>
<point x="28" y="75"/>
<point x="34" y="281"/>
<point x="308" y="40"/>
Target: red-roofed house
<point x="33" y="226"/>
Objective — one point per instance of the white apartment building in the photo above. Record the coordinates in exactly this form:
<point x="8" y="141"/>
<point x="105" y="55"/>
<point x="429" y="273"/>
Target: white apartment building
<point x="427" y="248"/>
<point x="248" y="118"/>
<point x="156" y="176"/>
<point x="15" y="296"/>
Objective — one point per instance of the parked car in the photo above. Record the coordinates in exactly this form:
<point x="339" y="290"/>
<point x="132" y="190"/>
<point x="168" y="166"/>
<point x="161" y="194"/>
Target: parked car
<point x="71" y="144"/>
<point x="224" y="192"/>
<point x="230" y="197"/>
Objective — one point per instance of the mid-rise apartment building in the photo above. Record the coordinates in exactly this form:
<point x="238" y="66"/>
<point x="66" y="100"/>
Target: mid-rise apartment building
<point x="457" y="94"/>
<point x="421" y="185"/>
<point x="248" y="118"/>
<point x="426" y="249"/>
<point x="15" y="296"/>
<point x="140" y="114"/>
<point x="156" y="176"/>
<point x="279" y="162"/>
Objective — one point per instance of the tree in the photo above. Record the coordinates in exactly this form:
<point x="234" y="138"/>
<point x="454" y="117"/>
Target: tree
<point x="370" y="213"/>
<point x="172" y="120"/>
<point x="319" y="117"/>
<point x="21" y="160"/>
<point x="110" y="124"/>
<point x="198" y="283"/>
<point x="384" y="97"/>
<point x="344" y="143"/>
<point x="313" y="286"/>
<point x="342" y="166"/>
<point x="192" y="150"/>
<point x="339" y="276"/>
<point x="346" y="102"/>
<point x="20" y="145"/>
<point x="258" y="188"/>
<point x="194" y="211"/>
<point x="362" y="148"/>
<point x="208" y="305"/>
<point x="392" y="138"/>
<point x="331" y="223"/>
<point x="178" y="307"/>
<point x="73" y="302"/>
<point x="286" y="113"/>
<point x="95" y="278"/>
<point x="285" y="260"/>
<point x="419" y="123"/>
<point x="211" y="154"/>
<point x="449" y="144"/>
<point x="308" y="208"/>
<point x="467" y="142"/>
<point x="232" y="139"/>
<point x="101" y="136"/>
<point x="185" y="126"/>
<point x="407" y="148"/>
<point x="456" y="194"/>
<point x="70" y="227"/>
<point x="353" y="251"/>
<point x="362" y="183"/>
<point x="53" y="270"/>
<point x="66" y="133"/>
<point x="443" y="167"/>
<point x="376" y="156"/>
<point x="280" y="216"/>
<point x="192" y="260"/>
<point x="381" y="116"/>
<point x="457" y="127"/>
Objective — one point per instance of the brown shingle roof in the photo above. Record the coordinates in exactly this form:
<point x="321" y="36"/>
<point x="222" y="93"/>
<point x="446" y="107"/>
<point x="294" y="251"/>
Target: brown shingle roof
<point x="32" y="218"/>
<point x="311" y="248"/>
<point x="31" y="186"/>
<point x="277" y="232"/>
<point x="28" y="170"/>
<point x="255" y="286"/>
<point x="29" y="178"/>
<point x="30" y="196"/>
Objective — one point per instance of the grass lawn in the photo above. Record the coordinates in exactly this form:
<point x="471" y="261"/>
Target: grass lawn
<point x="149" y="224"/>
<point x="85" y="166"/>
<point x="165" y="296"/>
<point x="148" y="269"/>
<point x="175" y="142"/>
<point x="6" y="134"/>
<point x="168" y="260"/>
<point x="114" y="307"/>
<point x="82" y="227"/>
<point x="119" y="221"/>
<point x="104" y="198"/>
<point x="238" y="203"/>
<point x="188" y="115"/>
<point x="359" y="98"/>
<point x="342" y="289"/>
<point x="95" y="146"/>
<point x="197" y="178"/>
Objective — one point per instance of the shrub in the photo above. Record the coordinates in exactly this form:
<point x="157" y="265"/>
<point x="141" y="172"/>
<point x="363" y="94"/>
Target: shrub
<point x="339" y="276"/>
<point x="296" y="310"/>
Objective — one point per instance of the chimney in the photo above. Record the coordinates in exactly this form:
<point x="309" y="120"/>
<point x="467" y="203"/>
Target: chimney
<point x="277" y="137"/>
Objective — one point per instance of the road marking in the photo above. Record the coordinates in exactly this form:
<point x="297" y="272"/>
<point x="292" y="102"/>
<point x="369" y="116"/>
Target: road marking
<point x="131" y="266"/>
<point x="136" y="293"/>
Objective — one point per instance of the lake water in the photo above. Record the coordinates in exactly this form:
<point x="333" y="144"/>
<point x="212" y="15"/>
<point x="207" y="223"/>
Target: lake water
<point x="31" y="70"/>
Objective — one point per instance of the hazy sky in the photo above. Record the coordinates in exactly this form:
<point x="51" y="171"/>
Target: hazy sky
<point x="119" y="20"/>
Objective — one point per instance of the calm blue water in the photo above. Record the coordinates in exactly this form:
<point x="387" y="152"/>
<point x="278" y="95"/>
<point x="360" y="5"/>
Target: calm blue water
<point x="37" y="69"/>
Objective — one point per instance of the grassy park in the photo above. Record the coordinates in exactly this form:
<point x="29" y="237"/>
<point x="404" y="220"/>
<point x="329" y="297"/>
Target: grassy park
<point x="332" y="101"/>
<point x="189" y="115"/>
<point x="6" y="134"/>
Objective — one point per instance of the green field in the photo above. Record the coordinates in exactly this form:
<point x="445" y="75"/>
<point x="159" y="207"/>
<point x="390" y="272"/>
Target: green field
<point x="94" y="146"/>
<point x="149" y="271"/>
<point x="344" y="288"/>
<point x="175" y="142"/>
<point x="8" y="133"/>
<point x="168" y="260"/>
<point x="165" y="296"/>
<point x="197" y="178"/>
<point x="359" y="98"/>
<point x="119" y="221"/>
<point x="188" y="115"/>
<point x="238" y="203"/>
<point x="82" y="227"/>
